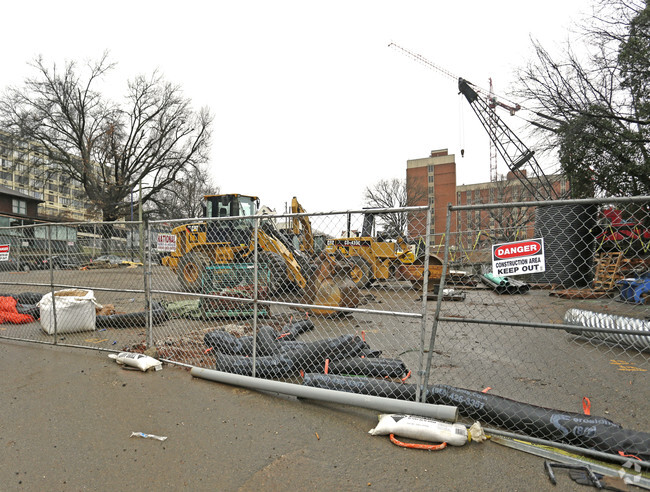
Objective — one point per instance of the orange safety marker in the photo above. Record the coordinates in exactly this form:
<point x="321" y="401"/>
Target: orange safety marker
<point x="586" y="405"/>
<point x="327" y="366"/>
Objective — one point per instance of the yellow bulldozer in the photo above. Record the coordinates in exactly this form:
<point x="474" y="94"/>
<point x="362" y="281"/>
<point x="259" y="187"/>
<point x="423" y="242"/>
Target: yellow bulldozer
<point x="378" y="259"/>
<point x="227" y="237"/>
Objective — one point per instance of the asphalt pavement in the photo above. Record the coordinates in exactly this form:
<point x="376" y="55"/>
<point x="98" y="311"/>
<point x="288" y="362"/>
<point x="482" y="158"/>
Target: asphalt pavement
<point x="68" y="415"/>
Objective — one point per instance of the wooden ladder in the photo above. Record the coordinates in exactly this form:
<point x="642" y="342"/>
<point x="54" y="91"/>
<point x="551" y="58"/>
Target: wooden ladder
<point x="607" y="270"/>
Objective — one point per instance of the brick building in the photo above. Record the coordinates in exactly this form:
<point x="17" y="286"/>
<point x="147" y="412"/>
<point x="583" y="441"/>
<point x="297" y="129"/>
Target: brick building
<point x="432" y="180"/>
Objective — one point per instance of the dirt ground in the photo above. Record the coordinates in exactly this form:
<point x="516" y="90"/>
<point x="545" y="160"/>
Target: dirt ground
<point x="68" y="415"/>
<point x="68" y="412"/>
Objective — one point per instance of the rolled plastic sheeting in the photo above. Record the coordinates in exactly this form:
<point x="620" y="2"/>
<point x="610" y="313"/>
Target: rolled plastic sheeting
<point x="267" y="367"/>
<point x="228" y="344"/>
<point x="584" y="431"/>
<point x="311" y="355"/>
<point x="372" y="367"/>
<point x="590" y="319"/>
<point x="291" y="331"/>
<point x="286" y="358"/>
<point x="386" y="405"/>
<point x="131" y="320"/>
<point x="31" y="309"/>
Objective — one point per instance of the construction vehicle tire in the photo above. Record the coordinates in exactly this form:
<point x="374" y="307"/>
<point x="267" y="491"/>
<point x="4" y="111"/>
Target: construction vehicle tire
<point x="190" y="270"/>
<point x="277" y="268"/>
<point x="361" y="273"/>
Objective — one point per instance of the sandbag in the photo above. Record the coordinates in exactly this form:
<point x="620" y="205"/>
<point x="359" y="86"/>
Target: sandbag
<point x="75" y="311"/>
<point x="421" y="428"/>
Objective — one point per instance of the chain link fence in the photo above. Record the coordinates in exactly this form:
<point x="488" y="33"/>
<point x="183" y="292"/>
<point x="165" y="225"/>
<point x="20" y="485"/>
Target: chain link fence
<point x="530" y="319"/>
<point x="551" y="340"/>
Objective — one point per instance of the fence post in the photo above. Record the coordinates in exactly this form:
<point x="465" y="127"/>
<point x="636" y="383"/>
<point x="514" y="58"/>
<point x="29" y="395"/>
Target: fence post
<point x="49" y="254"/>
<point x="146" y="267"/>
<point x="256" y="224"/>
<point x="425" y="288"/>
<point x="441" y="288"/>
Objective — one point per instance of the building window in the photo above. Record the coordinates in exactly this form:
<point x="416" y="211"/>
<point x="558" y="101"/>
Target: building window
<point x="19" y="206"/>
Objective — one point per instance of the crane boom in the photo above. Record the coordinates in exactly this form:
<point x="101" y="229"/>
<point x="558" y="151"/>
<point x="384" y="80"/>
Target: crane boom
<point x="510" y="147"/>
<point x="513" y="151"/>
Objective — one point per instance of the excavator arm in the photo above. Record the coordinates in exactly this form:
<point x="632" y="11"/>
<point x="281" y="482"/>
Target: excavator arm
<point x="302" y="227"/>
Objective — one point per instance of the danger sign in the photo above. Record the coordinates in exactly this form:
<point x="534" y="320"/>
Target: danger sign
<point x="4" y="252"/>
<point x="518" y="258"/>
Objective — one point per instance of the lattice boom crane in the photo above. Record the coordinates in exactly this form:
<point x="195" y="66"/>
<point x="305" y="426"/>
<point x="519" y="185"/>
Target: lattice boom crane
<point x="510" y="147"/>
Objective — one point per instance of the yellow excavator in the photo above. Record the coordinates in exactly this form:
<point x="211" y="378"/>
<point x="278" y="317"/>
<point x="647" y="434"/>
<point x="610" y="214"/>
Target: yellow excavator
<point x="229" y="239"/>
<point x="375" y="259"/>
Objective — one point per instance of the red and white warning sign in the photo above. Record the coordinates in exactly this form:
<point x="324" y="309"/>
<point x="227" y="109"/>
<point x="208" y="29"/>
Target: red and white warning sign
<point x="4" y="252"/>
<point x="518" y="258"/>
<point x="166" y="242"/>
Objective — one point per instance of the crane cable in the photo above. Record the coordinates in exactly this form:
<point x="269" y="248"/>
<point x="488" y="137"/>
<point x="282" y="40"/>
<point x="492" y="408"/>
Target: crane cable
<point x="461" y="126"/>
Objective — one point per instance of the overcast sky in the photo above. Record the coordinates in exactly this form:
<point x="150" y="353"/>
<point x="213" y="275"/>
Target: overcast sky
<point x="308" y="98"/>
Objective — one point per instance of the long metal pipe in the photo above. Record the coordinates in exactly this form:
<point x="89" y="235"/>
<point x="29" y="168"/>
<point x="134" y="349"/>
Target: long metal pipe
<point x="387" y="405"/>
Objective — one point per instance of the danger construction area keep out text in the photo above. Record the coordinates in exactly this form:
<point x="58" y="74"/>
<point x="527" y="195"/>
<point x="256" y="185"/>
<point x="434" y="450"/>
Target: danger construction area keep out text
<point x="521" y="265"/>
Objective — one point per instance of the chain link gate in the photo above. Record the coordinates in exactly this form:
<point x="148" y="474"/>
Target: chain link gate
<point x="562" y="355"/>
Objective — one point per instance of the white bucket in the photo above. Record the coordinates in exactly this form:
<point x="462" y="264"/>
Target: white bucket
<point x="75" y="311"/>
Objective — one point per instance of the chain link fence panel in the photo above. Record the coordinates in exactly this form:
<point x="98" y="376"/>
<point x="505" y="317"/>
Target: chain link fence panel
<point x="79" y="284"/>
<point x="288" y="295"/>
<point x="561" y="354"/>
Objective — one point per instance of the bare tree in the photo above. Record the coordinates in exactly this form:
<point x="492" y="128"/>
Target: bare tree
<point x="184" y="197"/>
<point x="393" y="194"/>
<point x="107" y="147"/>
<point x="593" y="103"/>
<point x="502" y="224"/>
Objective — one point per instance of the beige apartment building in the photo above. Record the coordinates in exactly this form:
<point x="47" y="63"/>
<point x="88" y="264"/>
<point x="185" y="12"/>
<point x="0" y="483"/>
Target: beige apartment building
<point x="24" y="170"/>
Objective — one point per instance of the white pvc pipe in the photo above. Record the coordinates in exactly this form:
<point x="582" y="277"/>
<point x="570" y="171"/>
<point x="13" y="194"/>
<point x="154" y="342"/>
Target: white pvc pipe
<point x="381" y="404"/>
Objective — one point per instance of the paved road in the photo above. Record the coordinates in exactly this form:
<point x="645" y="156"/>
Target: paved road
<point x="67" y="415"/>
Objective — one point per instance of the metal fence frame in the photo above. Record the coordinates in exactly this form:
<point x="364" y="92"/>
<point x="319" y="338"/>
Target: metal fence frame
<point x="430" y="320"/>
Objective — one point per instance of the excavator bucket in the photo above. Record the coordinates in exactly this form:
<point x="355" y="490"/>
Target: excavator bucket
<point x="414" y="272"/>
<point x="331" y="285"/>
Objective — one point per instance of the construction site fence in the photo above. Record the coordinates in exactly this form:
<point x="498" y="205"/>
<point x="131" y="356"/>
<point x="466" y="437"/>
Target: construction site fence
<point x="560" y="355"/>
